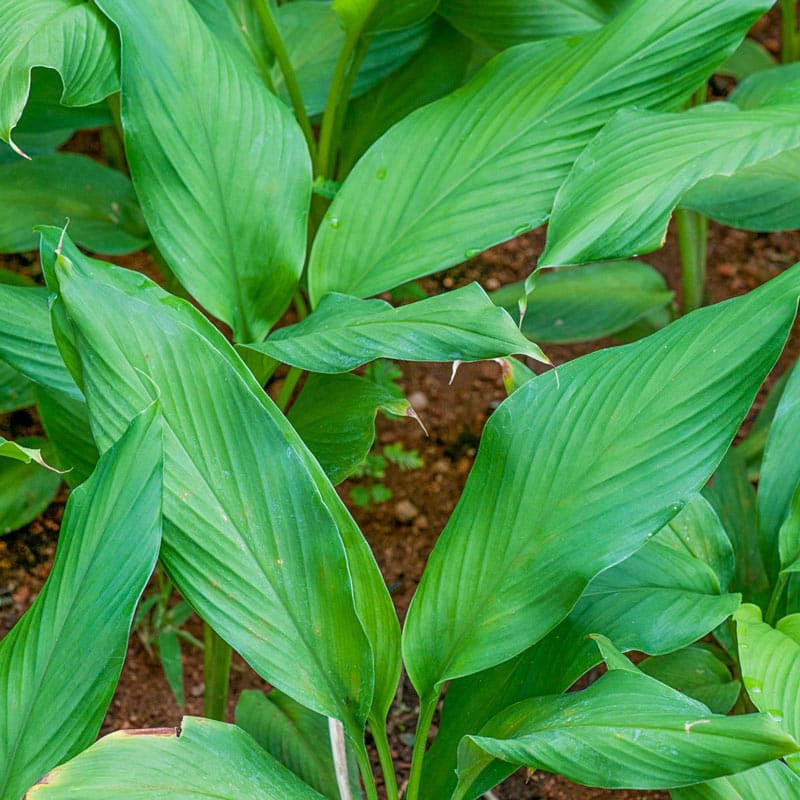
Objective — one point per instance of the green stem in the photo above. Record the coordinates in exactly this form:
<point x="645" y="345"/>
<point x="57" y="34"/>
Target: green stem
<point x="217" y="663"/>
<point x="365" y="768"/>
<point x="789" y="44"/>
<point x="270" y="26"/>
<point x="385" y="757"/>
<point x="427" y="707"/>
<point x="289" y="384"/>
<point x="693" y="243"/>
<point x="777" y="593"/>
<point x="300" y="305"/>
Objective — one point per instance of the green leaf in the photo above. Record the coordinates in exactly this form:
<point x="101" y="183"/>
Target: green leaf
<point x="789" y="536"/>
<point x="16" y="390"/>
<point x="484" y="163"/>
<point x="697" y="531"/>
<point x="579" y="304"/>
<point x="134" y="339"/>
<point x="622" y="189"/>
<point x="335" y="417"/>
<point x="779" y="85"/>
<point x="695" y="671"/>
<point x="19" y="452"/>
<point x="734" y="500"/>
<point x="69" y="36"/>
<point x="748" y="58"/>
<point x="656" y="601"/>
<point x="770" y="665"/>
<point x="575" y="471"/>
<point x="780" y="473"/>
<point x="359" y="15"/>
<point x="169" y="653"/>
<point x="504" y="23"/>
<point x="295" y="736"/>
<point x="314" y="38"/>
<point x="773" y="779"/>
<point x="60" y="663"/>
<point x="230" y="220"/>
<point x="615" y="734"/>
<point x="98" y="202"/>
<point x="345" y="332"/>
<point x="437" y="69"/>
<point x="26" y="489"/>
<point x="203" y="757"/>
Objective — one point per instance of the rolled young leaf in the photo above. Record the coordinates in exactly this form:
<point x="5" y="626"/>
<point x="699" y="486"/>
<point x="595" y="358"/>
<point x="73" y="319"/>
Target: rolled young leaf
<point x="773" y="779"/>
<point x="203" y="757"/>
<point x="335" y="417"/>
<point x="483" y="164"/>
<point x="99" y="203"/>
<point x="60" y="663"/>
<point x="345" y="332"/>
<point x="70" y="36"/>
<point x="255" y="537"/>
<point x="622" y="189"/>
<point x="573" y="474"/>
<point x="219" y="164"/>
<point x="615" y="734"/>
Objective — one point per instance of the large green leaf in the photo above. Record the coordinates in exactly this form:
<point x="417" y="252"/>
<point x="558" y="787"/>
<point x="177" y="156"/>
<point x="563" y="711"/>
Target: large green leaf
<point x="359" y="15"/>
<point x="16" y="390"/>
<point x="777" y="86"/>
<point x="203" y="758"/>
<point x="60" y="663"/>
<point x="26" y="489"/>
<point x="656" y="601"/>
<point x="697" y="672"/>
<point x="219" y="164"/>
<point x="345" y="332"/>
<point x="622" y="189"/>
<point x="615" y="734"/>
<point x="578" y="304"/>
<point x="504" y="23"/>
<point x="774" y="779"/>
<point x="297" y="737"/>
<point x="437" y="69"/>
<point x="98" y="202"/>
<point x="249" y="514"/>
<point x="71" y="37"/>
<point x="770" y="664"/>
<point x="780" y="473"/>
<point x="734" y="500"/>
<point x="484" y="163"/>
<point x="575" y="470"/>
<point x="314" y="38"/>
<point x="748" y="58"/>
<point x="335" y="417"/>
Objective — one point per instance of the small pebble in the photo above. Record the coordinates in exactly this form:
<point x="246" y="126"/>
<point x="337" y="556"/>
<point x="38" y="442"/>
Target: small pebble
<point x="405" y="511"/>
<point x="418" y="400"/>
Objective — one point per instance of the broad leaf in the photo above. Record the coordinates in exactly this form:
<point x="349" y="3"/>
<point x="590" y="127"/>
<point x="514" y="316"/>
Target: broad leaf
<point x="622" y="189"/>
<point x="504" y="23"/>
<point x="345" y="332"/>
<point x="789" y="536"/>
<point x="780" y="473"/>
<point x="314" y="38"/>
<point x="437" y="69"/>
<point x="295" y="736"/>
<point x="579" y="304"/>
<point x="360" y="15"/>
<point x="16" y="390"/>
<point x="70" y="36"/>
<point x="734" y="500"/>
<point x="656" y="601"/>
<point x="770" y="664"/>
<point x="695" y="671"/>
<point x="335" y="417"/>
<point x="777" y="86"/>
<point x="219" y="164"/>
<point x="748" y="58"/>
<point x="575" y="471"/>
<point x="26" y="489"/>
<point x="98" y="202"/>
<point x="483" y="164"/>
<point x="774" y="779"/>
<point x="615" y="734"/>
<point x="134" y="339"/>
<point x="203" y="758"/>
<point x="60" y="663"/>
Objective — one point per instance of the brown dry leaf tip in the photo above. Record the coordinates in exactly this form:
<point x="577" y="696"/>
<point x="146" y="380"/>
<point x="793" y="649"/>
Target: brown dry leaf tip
<point x="456" y="365"/>
<point x="150" y="732"/>
<point x="63" y="234"/>
<point x="13" y="145"/>
<point x="505" y="366"/>
<point x="410" y="412"/>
